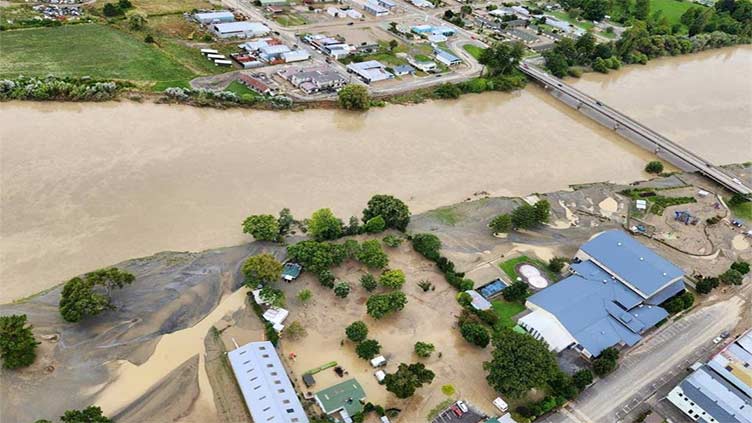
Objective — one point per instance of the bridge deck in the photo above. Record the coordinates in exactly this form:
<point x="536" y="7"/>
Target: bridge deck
<point x="677" y="155"/>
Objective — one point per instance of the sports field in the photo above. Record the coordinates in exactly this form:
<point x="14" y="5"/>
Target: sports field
<point x="85" y="50"/>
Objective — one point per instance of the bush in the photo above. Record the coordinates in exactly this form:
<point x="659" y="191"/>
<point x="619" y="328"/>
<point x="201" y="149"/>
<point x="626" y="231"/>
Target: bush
<point x="374" y="225"/>
<point x="606" y="362"/>
<point x="323" y="225"/>
<point x="17" y="344"/>
<point x="392" y="241"/>
<point x="741" y="267"/>
<point x="305" y="295"/>
<point x="393" y="279"/>
<point x="705" y="285"/>
<point x="731" y="277"/>
<point x="354" y="97"/>
<point x="372" y="255"/>
<point x="447" y="91"/>
<point x="271" y="334"/>
<point x="475" y="334"/>
<point x="582" y="379"/>
<point x="379" y="306"/>
<point x="263" y="227"/>
<point x="368" y="349"/>
<point x="424" y="349"/>
<point x="517" y="291"/>
<point x="556" y="264"/>
<point x="357" y="331"/>
<point x="501" y="223"/>
<point x="110" y="10"/>
<point x="654" y="167"/>
<point x="342" y="289"/>
<point x="368" y="282"/>
<point x="326" y="278"/>
<point x="427" y="245"/>
<point x="464" y="299"/>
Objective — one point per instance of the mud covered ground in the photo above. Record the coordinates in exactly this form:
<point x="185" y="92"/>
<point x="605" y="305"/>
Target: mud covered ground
<point x="157" y="358"/>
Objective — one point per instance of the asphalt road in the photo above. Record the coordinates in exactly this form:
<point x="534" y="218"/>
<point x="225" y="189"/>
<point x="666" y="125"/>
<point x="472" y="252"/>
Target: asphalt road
<point x="654" y="365"/>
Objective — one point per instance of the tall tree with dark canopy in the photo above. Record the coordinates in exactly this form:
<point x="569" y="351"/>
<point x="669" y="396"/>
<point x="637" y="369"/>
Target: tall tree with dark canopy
<point x="92" y="414"/>
<point x="519" y="363"/>
<point x="395" y="213"/>
<point x="80" y="298"/>
<point x="407" y="379"/>
<point x="17" y="344"/>
<point x="323" y="225"/>
<point x="501" y="58"/>
<point x="261" y="269"/>
<point x="263" y="227"/>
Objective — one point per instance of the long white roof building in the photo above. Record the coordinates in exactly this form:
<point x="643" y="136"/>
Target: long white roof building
<point x="267" y="390"/>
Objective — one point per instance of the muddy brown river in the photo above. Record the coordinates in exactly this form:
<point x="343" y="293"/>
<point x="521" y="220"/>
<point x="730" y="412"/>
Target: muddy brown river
<point x="87" y="185"/>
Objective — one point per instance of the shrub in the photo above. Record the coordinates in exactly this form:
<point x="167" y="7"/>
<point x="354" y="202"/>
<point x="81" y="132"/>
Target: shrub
<point x="582" y="379"/>
<point x="368" y="282"/>
<point x="372" y="255"/>
<point x="705" y="285"/>
<point x="741" y="267"/>
<point x="263" y="227"/>
<point x="342" y="289"/>
<point x="305" y="295"/>
<point x="464" y="299"/>
<point x="731" y="277"/>
<point x="379" y="306"/>
<point x="357" y="331"/>
<point x="606" y="362"/>
<point x="295" y="331"/>
<point x="354" y="97"/>
<point x="654" y="167"/>
<point x="556" y="264"/>
<point x="427" y="245"/>
<point x="368" y="349"/>
<point x="17" y="344"/>
<point x="323" y="225"/>
<point x="424" y="349"/>
<point x="425" y="285"/>
<point x="476" y="334"/>
<point x="517" y="291"/>
<point x="392" y="241"/>
<point x="260" y="269"/>
<point x="374" y="225"/>
<point x="501" y="223"/>
<point x="271" y="334"/>
<point x="448" y="390"/>
<point x="326" y="278"/>
<point x="393" y="278"/>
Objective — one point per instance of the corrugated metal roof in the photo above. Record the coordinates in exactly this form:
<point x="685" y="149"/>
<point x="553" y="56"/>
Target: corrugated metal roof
<point x="635" y="263"/>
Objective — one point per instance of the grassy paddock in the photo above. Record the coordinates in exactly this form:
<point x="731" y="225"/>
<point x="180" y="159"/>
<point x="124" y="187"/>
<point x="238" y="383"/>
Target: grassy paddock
<point x="161" y="7"/>
<point x="743" y="211"/>
<point x="506" y="310"/>
<point x="85" y="50"/>
<point x="671" y="9"/>
<point x="473" y="50"/>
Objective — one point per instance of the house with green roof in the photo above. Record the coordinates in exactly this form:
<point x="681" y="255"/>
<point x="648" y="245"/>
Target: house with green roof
<point x="346" y="399"/>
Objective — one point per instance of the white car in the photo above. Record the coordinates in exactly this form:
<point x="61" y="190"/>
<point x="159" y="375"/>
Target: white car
<point x="717" y="340"/>
<point x="461" y="404"/>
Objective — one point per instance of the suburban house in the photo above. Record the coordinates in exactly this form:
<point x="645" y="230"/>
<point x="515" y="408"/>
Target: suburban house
<point x="329" y="46"/>
<point x="242" y="29"/>
<point x="266" y="388"/>
<point x="220" y="16"/>
<point x="721" y="390"/>
<point x="611" y="298"/>
<point x="370" y="71"/>
<point x="404" y="70"/>
<point x="342" y="400"/>
<point x="313" y="79"/>
<point x="257" y="85"/>
<point x="446" y="58"/>
<point x="375" y="9"/>
<point x="425" y="66"/>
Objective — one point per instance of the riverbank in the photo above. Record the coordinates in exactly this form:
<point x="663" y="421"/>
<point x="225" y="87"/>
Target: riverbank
<point x="132" y="360"/>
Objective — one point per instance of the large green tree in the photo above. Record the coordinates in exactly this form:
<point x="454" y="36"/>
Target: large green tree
<point x="92" y="414"/>
<point x="502" y="58"/>
<point x="80" y="296"/>
<point x="372" y="255"/>
<point x="317" y="256"/>
<point x="407" y="379"/>
<point x="428" y="245"/>
<point x="324" y="225"/>
<point x="263" y="227"/>
<point x="17" y="344"/>
<point x="519" y="363"/>
<point x="395" y="213"/>
<point x="261" y="269"/>
<point x="357" y="331"/>
<point x="475" y="333"/>
<point x="368" y="349"/>
<point x="354" y="97"/>
<point x="379" y="305"/>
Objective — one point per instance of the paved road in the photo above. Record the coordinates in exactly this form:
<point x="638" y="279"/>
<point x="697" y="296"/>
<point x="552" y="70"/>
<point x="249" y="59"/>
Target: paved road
<point x="653" y="364"/>
<point x="678" y="155"/>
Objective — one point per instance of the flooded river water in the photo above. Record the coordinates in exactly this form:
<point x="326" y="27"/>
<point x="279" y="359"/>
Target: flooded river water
<point x="87" y="185"/>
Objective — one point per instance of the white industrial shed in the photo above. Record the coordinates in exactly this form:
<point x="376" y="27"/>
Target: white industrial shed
<point x="267" y="390"/>
<point x="241" y="29"/>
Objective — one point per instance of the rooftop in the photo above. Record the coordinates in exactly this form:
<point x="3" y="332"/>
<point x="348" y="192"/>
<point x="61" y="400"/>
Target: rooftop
<point x="267" y="390"/>
<point x="643" y="270"/>
<point x="345" y="395"/>
<point x="240" y="27"/>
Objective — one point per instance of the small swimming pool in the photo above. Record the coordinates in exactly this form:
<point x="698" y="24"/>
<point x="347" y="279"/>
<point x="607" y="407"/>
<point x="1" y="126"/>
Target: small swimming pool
<point x="491" y="289"/>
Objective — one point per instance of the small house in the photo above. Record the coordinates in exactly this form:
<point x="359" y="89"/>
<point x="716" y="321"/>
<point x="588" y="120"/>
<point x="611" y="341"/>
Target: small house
<point x="446" y="58"/>
<point x="403" y="70"/>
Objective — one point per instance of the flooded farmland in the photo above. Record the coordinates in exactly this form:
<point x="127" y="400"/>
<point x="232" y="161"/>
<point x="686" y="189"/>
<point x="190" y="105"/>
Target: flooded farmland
<point x="87" y="185"/>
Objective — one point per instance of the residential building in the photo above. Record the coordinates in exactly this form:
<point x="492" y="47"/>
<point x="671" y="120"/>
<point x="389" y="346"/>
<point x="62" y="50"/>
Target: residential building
<point x="241" y="29"/>
<point x="446" y="58"/>
<point x="313" y="79"/>
<point x="388" y="4"/>
<point x="342" y="400"/>
<point x="403" y="70"/>
<point x="219" y="16"/>
<point x="266" y="388"/>
<point x="265" y="3"/>
<point x="329" y="46"/>
<point x="564" y="26"/>
<point x="370" y="71"/>
<point x="611" y="298"/>
<point x="721" y="390"/>
<point x="256" y="84"/>
<point x="422" y="4"/>
<point x="422" y="65"/>
<point x="375" y="9"/>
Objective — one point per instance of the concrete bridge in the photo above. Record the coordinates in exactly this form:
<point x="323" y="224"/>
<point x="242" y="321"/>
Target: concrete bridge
<point x="635" y="131"/>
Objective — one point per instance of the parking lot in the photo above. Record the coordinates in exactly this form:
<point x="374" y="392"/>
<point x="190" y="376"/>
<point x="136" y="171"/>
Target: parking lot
<point x="448" y="416"/>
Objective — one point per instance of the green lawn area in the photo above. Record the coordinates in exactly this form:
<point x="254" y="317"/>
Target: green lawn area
<point x="564" y="16"/>
<point x="671" y="9"/>
<point x="473" y="50"/>
<point x="505" y="310"/>
<point x="85" y="50"/>
<point x="446" y="215"/>
<point x="289" y="20"/>
<point x="240" y="89"/>
<point x="743" y="211"/>
<point x="509" y="267"/>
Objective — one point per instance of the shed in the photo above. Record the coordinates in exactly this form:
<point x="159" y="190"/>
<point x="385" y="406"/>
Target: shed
<point x="309" y="380"/>
<point x="344" y="397"/>
<point x="291" y="271"/>
<point x="478" y="303"/>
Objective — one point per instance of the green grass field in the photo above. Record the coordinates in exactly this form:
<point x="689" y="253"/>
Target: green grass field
<point x="240" y="89"/>
<point x="506" y="310"/>
<point x="509" y="267"/>
<point x="473" y="50"/>
<point x="743" y="211"/>
<point x="85" y="50"/>
<point x="671" y="9"/>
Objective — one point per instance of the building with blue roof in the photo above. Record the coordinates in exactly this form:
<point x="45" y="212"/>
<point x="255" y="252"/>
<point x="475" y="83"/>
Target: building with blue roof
<point x="721" y="390"/>
<point x="610" y="299"/>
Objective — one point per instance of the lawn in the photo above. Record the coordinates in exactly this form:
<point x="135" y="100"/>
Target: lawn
<point x="509" y="267"/>
<point x="506" y="310"/>
<point x="85" y="50"/>
<point x="473" y="50"/>
<point x="240" y="89"/>
<point x="446" y="215"/>
<point x="671" y="9"/>
<point x="743" y="211"/>
<point x="289" y="20"/>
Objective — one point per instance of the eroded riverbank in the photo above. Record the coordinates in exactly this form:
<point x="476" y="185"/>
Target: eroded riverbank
<point x="85" y="185"/>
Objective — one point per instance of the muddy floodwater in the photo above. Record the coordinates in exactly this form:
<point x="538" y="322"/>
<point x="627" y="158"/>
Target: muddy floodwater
<point x="87" y="185"/>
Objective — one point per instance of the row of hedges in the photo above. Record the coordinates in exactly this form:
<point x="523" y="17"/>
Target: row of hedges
<point x="59" y="89"/>
<point x="428" y="245"/>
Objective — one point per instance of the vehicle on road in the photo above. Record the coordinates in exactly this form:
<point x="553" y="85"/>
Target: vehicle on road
<point x="456" y="410"/>
<point x="350" y="23"/>
<point x="717" y="340"/>
<point x="461" y="404"/>
<point x="725" y="334"/>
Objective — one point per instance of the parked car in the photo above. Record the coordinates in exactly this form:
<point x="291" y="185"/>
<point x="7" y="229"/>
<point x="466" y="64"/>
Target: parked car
<point x="725" y="334"/>
<point x="717" y="340"/>
<point x="456" y="410"/>
<point x="461" y="404"/>
<point x="501" y="405"/>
